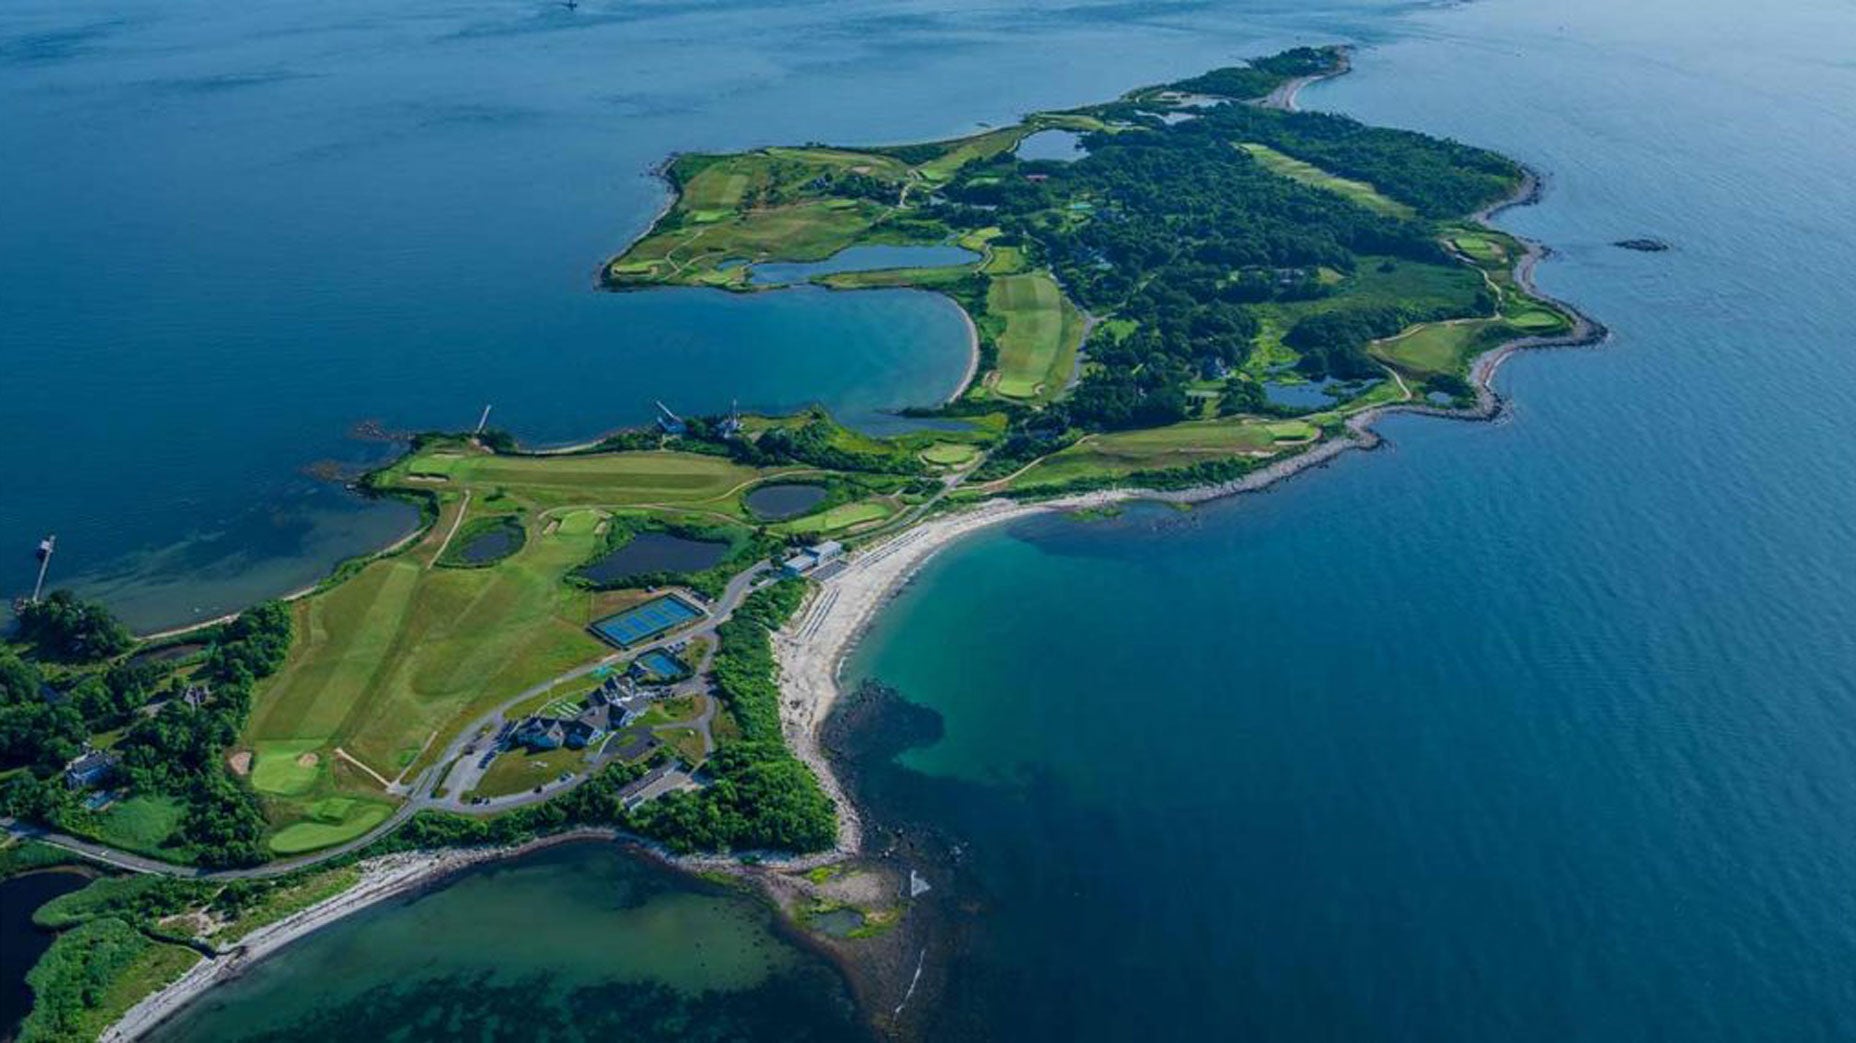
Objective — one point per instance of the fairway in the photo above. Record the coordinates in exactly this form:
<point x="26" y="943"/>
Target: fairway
<point x="844" y="516"/>
<point x="1037" y="345"/>
<point x="605" y="479"/>
<point x="1176" y="445"/>
<point x="400" y="652"/>
<point x="1436" y="347"/>
<point x="334" y="820"/>
<point x="1308" y="174"/>
<point x="949" y="454"/>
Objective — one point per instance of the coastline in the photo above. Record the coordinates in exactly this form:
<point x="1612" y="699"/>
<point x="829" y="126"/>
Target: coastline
<point x="389" y="876"/>
<point x="811" y="649"/>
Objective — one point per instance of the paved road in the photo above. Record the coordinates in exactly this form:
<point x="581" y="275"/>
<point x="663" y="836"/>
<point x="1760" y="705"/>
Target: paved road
<point x="419" y="793"/>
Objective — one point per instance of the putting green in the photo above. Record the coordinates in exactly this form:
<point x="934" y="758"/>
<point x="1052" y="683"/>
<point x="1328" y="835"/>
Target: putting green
<point x="285" y="768"/>
<point x="336" y="820"/>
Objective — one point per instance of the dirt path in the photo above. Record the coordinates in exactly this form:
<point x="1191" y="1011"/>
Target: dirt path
<point x="463" y="509"/>
<point x="376" y="776"/>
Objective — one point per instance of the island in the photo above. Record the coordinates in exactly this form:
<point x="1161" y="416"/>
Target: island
<point x="1189" y="291"/>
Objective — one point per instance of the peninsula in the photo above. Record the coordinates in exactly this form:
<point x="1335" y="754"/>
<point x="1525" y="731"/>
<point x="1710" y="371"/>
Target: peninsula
<point x="1189" y="291"/>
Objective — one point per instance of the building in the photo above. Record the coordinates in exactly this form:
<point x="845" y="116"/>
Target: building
<point x="812" y="557"/>
<point x="90" y="770"/>
<point x="580" y="732"/>
<point x="540" y="734"/>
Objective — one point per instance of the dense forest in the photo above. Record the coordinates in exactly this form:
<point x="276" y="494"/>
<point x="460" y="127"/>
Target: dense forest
<point x="1175" y="228"/>
<point x="170" y="745"/>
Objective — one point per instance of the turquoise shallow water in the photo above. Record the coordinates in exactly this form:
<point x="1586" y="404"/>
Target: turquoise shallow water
<point x="1534" y="730"/>
<point x="579" y="942"/>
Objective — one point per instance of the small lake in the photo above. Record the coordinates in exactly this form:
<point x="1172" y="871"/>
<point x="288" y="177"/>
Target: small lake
<point x="656" y="552"/>
<point x="493" y="545"/>
<point x="783" y="500"/>
<point x="22" y="942"/>
<point x="862" y="259"/>
<point x="1060" y="146"/>
<point x="1312" y="394"/>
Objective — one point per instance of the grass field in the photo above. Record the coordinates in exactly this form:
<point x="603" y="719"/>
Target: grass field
<point x="1039" y="335"/>
<point x="400" y="652"/>
<point x="332" y="820"/>
<point x="389" y="663"/>
<point x="603" y="479"/>
<point x="839" y="518"/>
<point x="1479" y="248"/>
<point x="979" y="146"/>
<point x="949" y="454"/>
<point x="1308" y="174"/>
<point x="1438" y="347"/>
<point x="687" y="742"/>
<point x="519" y="771"/>
<point x="141" y="823"/>
<point x="1177" y="445"/>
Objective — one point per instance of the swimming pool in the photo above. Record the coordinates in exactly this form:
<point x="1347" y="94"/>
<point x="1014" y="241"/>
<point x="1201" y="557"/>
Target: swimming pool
<point x="643" y="622"/>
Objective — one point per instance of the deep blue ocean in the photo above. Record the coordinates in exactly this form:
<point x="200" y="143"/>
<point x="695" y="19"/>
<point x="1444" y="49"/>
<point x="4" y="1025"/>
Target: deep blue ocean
<point x="1542" y="729"/>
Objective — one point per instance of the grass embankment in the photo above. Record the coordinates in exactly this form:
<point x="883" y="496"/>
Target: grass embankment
<point x="389" y="663"/>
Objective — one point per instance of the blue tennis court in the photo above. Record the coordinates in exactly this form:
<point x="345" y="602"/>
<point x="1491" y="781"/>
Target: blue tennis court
<point x="646" y="621"/>
<point x="662" y="664"/>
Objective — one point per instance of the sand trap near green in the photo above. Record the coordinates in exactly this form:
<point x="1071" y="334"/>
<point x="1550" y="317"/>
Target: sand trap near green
<point x="285" y="768"/>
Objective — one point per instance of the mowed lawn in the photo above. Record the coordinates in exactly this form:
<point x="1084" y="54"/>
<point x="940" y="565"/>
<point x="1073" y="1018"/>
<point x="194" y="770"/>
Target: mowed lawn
<point x="1434" y="347"/>
<point x="1294" y="169"/>
<point x="843" y="516"/>
<point x="1177" y="445"/>
<point x="400" y="652"/>
<point x="603" y="479"/>
<point x="1038" y="341"/>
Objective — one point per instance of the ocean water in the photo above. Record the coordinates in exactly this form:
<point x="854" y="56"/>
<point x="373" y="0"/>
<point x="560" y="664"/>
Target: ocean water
<point x="577" y="942"/>
<point x="1543" y="729"/>
<point x="1535" y="730"/>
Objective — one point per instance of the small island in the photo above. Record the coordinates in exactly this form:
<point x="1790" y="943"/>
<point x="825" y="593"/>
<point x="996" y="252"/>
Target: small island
<point x="1188" y="291"/>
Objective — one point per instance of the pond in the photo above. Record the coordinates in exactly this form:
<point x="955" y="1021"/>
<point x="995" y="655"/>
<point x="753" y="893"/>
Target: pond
<point x="490" y="545"/>
<point x="22" y="942"/>
<point x="783" y="500"/>
<point x="1311" y="394"/>
<point x="862" y="259"/>
<point x="1060" y="146"/>
<point x="650" y="552"/>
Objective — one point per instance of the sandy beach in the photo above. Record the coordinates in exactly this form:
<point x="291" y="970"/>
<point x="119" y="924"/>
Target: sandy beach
<point x="812" y="647"/>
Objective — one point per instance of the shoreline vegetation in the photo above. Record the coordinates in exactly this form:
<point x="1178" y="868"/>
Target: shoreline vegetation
<point x="1085" y="389"/>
